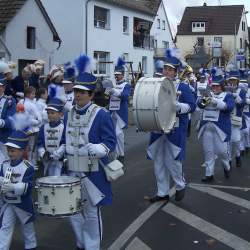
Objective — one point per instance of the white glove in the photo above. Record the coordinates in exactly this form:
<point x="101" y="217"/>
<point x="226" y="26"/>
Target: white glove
<point x="55" y="156"/>
<point x="97" y="150"/>
<point x="114" y="92"/>
<point x="177" y="106"/>
<point x="238" y="100"/>
<point x="41" y="152"/>
<point x="2" y="123"/>
<point x="214" y="100"/>
<point x="6" y="188"/>
<point x="34" y="122"/>
<point x="221" y="105"/>
<point x="235" y="94"/>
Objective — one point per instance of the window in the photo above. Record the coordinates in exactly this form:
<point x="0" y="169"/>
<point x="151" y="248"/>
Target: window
<point x="164" y="25"/>
<point x="101" y="18"/>
<point x="125" y="24"/>
<point x="158" y="23"/>
<point x="102" y="67"/>
<point x="217" y="42"/>
<point x="156" y="43"/>
<point x="200" y="41"/>
<point x="241" y="43"/>
<point x="198" y="26"/>
<point x="125" y="57"/>
<point x="243" y="25"/>
<point x="144" y="64"/>
<point x="31" y="37"/>
<point x="165" y="44"/>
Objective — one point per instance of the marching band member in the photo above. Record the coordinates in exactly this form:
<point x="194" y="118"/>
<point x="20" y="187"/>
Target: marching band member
<point x="168" y="150"/>
<point x="17" y="193"/>
<point x="215" y="127"/>
<point x="118" y="106"/>
<point x="51" y="139"/>
<point x="68" y="83"/>
<point x="7" y="109"/>
<point x="90" y="137"/>
<point x="35" y="78"/>
<point x="236" y="116"/>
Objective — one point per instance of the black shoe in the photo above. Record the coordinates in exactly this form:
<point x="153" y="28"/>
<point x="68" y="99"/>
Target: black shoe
<point x="121" y="159"/>
<point x="238" y="162"/>
<point x="227" y="173"/>
<point x="159" y="198"/>
<point x="30" y="249"/>
<point x="208" y="178"/>
<point x="78" y="248"/>
<point x="179" y="194"/>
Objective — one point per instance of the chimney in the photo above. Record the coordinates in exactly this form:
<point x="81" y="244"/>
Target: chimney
<point x="205" y="4"/>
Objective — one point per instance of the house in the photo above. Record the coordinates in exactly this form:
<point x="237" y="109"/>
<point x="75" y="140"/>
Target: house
<point x="107" y="29"/>
<point x="26" y="33"/>
<point x="220" y="31"/>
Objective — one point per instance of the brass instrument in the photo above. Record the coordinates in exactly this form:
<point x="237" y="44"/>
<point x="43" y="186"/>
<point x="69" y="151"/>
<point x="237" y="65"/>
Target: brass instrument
<point x="187" y="70"/>
<point x="206" y="100"/>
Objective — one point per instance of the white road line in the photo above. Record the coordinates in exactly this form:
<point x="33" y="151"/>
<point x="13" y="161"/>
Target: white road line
<point x="213" y="231"/>
<point x="137" y="244"/>
<point x="224" y="196"/>
<point x="218" y="186"/>
<point x="132" y="228"/>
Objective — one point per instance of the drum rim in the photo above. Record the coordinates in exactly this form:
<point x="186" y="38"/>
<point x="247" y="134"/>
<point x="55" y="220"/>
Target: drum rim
<point x="61" y="215"/>
<point x="58" y="185"/>
<point x="65" y="184"/>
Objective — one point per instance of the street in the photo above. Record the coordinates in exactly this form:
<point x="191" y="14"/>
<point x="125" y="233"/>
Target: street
<point x="210" y="216"/>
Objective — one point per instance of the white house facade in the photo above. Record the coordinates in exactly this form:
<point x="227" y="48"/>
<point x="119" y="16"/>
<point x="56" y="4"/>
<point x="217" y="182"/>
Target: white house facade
<point x="29" y="35"/>
<point x="106" y="30"/>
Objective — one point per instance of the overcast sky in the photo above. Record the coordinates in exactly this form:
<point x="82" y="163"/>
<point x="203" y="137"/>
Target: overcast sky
<point x="175" y="8"/>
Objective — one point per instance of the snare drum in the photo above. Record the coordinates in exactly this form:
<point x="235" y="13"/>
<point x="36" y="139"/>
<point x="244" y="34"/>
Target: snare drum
<point x="154" y="104"/>
<point x="59" y="196"/>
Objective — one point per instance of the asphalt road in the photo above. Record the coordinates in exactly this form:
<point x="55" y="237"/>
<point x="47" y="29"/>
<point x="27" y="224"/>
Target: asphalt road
<point x="210" y="217"/>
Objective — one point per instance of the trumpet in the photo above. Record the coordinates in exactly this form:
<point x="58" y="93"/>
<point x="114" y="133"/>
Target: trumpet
<point x="187" y="70"/>
<point x="206" y="100"/>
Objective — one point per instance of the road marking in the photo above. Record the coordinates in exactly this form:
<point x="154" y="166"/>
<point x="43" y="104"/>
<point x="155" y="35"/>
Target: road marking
<point x="224" y="196"/>
<point x="218" y="186"/>
<point x="213" y="231"/>
<point x="137" y="244"/>
<point x="132" y="228"/>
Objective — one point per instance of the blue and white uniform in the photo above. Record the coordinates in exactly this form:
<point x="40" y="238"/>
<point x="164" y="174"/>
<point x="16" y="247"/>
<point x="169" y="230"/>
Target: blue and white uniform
<point x="215" y="130"/>
<point x="119" y="112"/>
<point x="51" y="139"/>
<point x="168" y="150"/>
<point x="16" y="195"/>
<point x="7" y="109"/>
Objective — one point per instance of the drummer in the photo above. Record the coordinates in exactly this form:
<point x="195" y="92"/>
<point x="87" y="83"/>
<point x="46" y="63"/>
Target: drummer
<point x="168" y="150"/>
<point x="90" y="137"/>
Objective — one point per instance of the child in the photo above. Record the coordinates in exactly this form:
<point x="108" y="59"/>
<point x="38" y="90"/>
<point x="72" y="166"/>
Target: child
<point x="42" y="97"/>
<point x="51" y="139"/>
<point x="35" y="119"/>
<point x="17" y="193"/>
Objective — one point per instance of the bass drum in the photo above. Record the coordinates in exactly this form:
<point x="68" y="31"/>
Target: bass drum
<point x="154" y="104"/>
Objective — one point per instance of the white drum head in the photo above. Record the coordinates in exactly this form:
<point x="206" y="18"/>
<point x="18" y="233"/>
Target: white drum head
<point x="154" y="104"/>
<point x="57" y="180"/>
<point x="166" y="105"/>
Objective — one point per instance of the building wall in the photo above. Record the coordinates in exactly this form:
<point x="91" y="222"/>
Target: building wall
<point x="68" y="18"/>
<point x="15" y="35"/>
<point x="160" y="34"/>
<point x="113" y="40"/>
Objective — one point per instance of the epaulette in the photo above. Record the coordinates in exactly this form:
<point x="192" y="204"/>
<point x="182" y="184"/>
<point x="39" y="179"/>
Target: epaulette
<point x="27" y="163"/>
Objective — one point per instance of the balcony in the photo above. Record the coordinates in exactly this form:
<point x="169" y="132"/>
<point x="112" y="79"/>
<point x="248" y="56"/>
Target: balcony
<point x="143" y="41"/>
